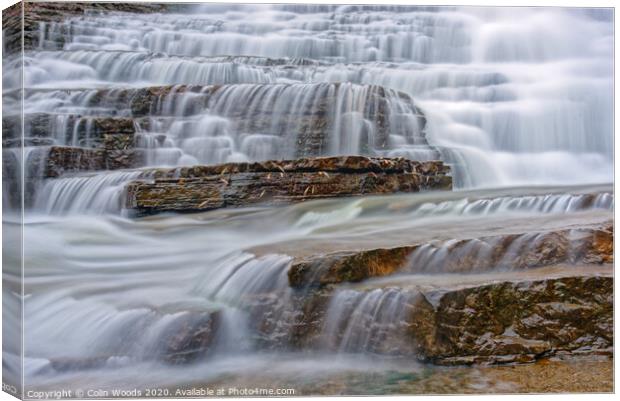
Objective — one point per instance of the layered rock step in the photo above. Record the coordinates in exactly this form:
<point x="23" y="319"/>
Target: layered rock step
<point x="46" y="163"/>
<point x="562" y="305"/>
<point x="516" y="296"/>
<point x="59" y="143"/>
<point x="496" y="318"/>
<point x="55" y="144"/>
<point x="293" y="120"/>
<point x="125" y="128"/>
<point x="590" y="244"/>
<point x="39" y="16"/>
<point x="40" y="129"/>
<point x="203" y="188"/>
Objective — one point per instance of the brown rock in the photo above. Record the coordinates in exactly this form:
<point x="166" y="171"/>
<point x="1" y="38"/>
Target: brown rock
<point x="110" y="133"/>
<point x="348" y="266"/>
<point x="516" y="321"/>
<point x="147" y="101"/>
<point x="64" y="159"/>
<point x="292" y="322"/>
<point x="593" y="245"/>
<point x="239" y="184"/>
<point x="124" y="159"/>
<point x="189" y="337"/>
<point x="59" y="160"/>
<point x="308" y="130"/>
<point x="597" y="248"/>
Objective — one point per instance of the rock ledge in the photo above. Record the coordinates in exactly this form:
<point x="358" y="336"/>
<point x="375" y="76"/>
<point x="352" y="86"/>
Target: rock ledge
<point x="201" y="188"/>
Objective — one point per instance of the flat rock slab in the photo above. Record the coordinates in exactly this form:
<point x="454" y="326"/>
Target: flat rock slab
<point x="519" y="251"/>
<point x="203" y="188"/>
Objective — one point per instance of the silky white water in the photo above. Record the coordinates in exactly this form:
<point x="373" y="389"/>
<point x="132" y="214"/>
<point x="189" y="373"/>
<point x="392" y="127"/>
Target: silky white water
<point x="517" y="101"/>
<point x="103" y="293"/>
<point x="510" y="103"/>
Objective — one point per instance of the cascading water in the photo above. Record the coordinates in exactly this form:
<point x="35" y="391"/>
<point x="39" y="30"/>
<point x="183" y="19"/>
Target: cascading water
<point x="506" y="107"/>
<point x="369" y="321"/>
<point x="98" y="194"/>
<point x="520" y="110"/>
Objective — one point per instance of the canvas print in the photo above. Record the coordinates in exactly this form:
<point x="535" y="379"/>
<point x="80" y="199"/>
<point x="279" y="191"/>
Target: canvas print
<point x="228" y="200"/>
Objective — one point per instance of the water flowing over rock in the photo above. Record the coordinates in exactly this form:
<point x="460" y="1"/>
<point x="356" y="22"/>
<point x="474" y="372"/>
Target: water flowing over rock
<point x="37" y="14"/>
<point x="496" y="121"/>
<point x="248" y="121"/>
<point x="188" y="125"/>
<point x="507" y="252"/>
<point x="190" y="338"/>
<point x="227" y="194"/>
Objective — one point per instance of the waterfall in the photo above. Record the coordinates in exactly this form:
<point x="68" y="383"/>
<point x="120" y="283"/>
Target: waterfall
<point x="373" y="321"/>
<point x="429" y="208"/>
<point x="93" y="193"/>
<point x="24" y="168"/>
<point x="508" y="104"/>
<point x="517" y="101"/>
<point x="144" y="67"/>
<point x="553" y="203"/>
<point x="104" y="337"/>
<point x="188" y="125"/>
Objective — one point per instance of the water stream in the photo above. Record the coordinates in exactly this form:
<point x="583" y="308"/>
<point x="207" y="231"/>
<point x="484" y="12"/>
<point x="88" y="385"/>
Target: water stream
<point x="517" y="101"/>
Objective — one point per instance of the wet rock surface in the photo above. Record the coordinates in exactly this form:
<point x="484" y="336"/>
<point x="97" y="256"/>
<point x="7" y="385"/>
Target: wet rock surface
<point x="348" y="266"/>
<point x="64" y="159"/>
<point x="500" y="302"/>
<point x="509" y="319"/>
<point x="508" y="252"/>
<point x="189" y="337"/>
<point x="55" y="161"/>
<point x="516" y="321"/>
<point x="238" y="184"/>
<point x="308" y="131"/>
<point x="150" y="100"/>
<point x="110" y="133"/>
<point x="281" y="322"/>
<point x="186" y="338"/>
